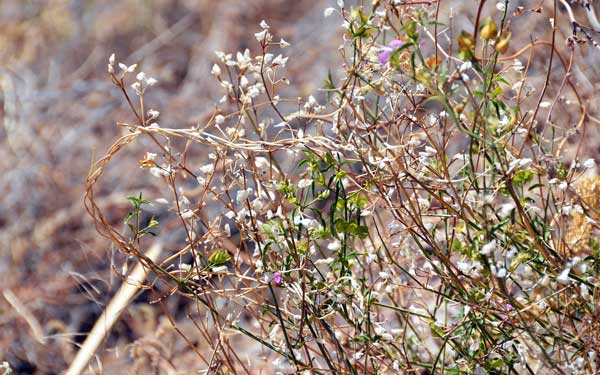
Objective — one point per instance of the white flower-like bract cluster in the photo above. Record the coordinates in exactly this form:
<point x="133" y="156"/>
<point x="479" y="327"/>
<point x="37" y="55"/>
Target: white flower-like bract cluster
<point x="415" y="217"/>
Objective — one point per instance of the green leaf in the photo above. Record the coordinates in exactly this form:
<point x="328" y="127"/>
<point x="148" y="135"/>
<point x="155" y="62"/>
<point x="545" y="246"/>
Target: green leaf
<point x="219" y="257"/>
<point x="362" y="232"/>
<point x="153" y="223"/>
<point x="137" y="202"/>
<point x="522" y="177"/>
<point x="411" y="30"/>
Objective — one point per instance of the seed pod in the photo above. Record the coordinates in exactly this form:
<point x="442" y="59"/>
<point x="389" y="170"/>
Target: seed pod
<point x="489" y="30"/>
<point x="503" y="42"/>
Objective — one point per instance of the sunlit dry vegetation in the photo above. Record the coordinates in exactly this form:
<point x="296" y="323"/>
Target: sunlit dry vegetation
<point x="374" y="187"/>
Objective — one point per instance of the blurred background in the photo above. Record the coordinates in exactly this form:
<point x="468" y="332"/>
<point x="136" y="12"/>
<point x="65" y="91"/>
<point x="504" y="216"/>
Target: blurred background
<point x="58" y="112"/>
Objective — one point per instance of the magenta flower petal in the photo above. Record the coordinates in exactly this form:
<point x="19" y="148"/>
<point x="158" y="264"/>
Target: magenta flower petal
<point x="386" y="52"/>
<point x="277" y="279"/>
<point x="395" y="44"/>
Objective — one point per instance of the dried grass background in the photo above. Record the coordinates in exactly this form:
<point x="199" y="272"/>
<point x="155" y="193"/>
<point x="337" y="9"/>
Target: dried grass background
<point x="58" y="111"/>
<point x="58" y="107"/>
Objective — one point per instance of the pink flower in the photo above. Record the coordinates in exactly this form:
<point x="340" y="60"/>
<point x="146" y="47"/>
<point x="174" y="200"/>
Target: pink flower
<point x="388" y="50"/>
<point x="277" y="278"/>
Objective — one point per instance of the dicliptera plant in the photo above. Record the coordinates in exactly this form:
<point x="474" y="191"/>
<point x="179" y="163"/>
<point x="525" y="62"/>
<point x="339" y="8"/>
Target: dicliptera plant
<point x="426" y="214"/>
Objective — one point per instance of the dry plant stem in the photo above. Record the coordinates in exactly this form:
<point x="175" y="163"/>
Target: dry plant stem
<point x="22" y="310"/>
<point x="592" y="18"/>
<point x="451" y="189"/>
<point x="112" y="312"/>
<point x="547" y="81"/>
<point x="477" y="19"/>
<point x="435" y="29"/>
